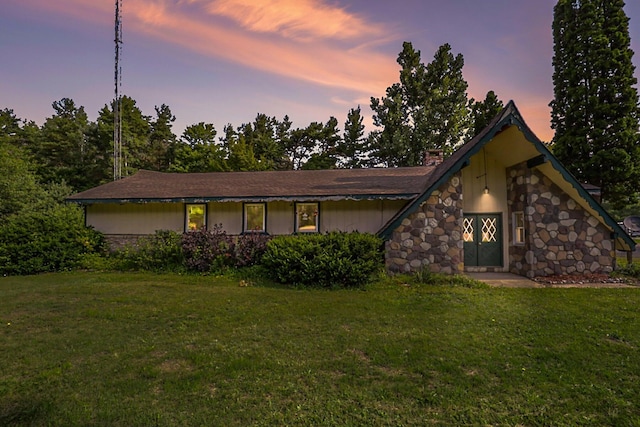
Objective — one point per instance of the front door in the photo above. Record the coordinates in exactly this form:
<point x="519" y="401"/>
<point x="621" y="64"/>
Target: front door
<point x="482" y="235"/>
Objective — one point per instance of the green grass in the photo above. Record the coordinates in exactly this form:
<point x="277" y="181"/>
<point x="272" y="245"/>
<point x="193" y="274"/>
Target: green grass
<point x="96" y="349"/>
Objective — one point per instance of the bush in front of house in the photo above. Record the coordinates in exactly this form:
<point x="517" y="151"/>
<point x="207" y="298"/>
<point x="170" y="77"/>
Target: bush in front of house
<point x="159" y="252"/>
<point x="49" y="240"/>
<point x="333" y="260"/>
<point x="250" y="248"/>
<point x="208" y="250"/>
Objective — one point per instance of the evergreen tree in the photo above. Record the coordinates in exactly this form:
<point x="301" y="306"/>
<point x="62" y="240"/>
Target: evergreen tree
<point x="64" y="154"/>
<point x="482" y="112"/>
<point x="352" y="146"/>
<point x="427" y="109"/>
<point x="197" y="150"/>
<point x="162" y="141"/>
<point x="136" y="129"/>
<point x="595" y="107"/>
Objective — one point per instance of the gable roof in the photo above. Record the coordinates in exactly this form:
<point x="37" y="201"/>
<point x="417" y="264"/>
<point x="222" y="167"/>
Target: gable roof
<point x="301" y="185"/>
<point x="508" y="117"/>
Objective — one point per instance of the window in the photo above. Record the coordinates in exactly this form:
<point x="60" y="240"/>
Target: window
<point x="307" y="217"/>
<point x="518" y="228"/>
<point x="196" y="217"/>
<point x="255" y="217"/>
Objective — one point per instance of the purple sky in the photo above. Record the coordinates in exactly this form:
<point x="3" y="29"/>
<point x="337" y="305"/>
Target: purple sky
<point x="224" y="61"/>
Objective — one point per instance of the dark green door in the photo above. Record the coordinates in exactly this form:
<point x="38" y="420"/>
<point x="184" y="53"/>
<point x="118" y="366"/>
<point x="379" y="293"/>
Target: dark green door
<point x="482" y="235"/>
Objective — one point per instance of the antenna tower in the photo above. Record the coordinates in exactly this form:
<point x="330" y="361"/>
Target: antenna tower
<point x="117" y="102"/>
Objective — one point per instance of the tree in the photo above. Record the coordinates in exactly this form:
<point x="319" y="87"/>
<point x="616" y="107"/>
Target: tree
<point x="162" y="141"/>
<point x="482" y="112"/>
<point x="427" y="109"/>
<point x="352" y="146"/>
<point x="197" y="150"/>
<point x="136" y="129"/>
<point x="595" y="107"/>
<point x="63" y="152"/>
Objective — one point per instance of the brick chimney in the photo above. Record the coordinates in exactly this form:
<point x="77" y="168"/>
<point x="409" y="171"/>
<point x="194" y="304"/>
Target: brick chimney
<point x="433" y="158"/>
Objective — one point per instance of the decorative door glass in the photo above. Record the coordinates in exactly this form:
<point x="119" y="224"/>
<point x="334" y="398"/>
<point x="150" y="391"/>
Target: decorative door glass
<point x="489" y="229"/>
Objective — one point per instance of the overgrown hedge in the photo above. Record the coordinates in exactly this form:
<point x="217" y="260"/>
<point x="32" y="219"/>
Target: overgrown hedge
<point x="323" y="260"/>
<point x="55" y="239"/>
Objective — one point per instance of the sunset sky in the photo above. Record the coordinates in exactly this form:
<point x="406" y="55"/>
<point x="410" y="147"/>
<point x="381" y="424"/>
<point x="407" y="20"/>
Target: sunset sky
<point x="224" y="61"/>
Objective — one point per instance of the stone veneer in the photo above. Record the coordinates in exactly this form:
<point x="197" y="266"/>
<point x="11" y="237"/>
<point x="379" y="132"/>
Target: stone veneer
<point x="560" y="236"/>
<point x="119" y="241"/>
<point x="431" y="237"/>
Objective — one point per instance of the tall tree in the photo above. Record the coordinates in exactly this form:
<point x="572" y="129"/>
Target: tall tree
<point x="197" y="150"/>
<point x="162" y="141"/>
<point x="595" y="107"/>
<point x="427" y="109"/>
<point x="136" y="128"/>
<point x="352" y="146"/>
<point x="482" y="112"/>
<point x="63" y="152"/>
<point x="324" y="140"/>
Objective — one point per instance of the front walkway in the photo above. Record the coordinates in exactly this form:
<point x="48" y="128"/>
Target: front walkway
<point x="509" y="280"/>
<point x="505" y="280"/>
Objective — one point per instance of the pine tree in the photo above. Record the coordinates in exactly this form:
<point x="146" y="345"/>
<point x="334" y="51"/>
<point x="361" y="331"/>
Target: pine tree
<point x="427" y="109"/>
<point x="595" y="107"/>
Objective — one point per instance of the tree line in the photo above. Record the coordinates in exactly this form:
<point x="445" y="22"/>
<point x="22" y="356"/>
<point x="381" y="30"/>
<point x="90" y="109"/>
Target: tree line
<point x="427" y="109"/>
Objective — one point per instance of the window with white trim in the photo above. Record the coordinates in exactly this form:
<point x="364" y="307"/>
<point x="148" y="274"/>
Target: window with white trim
<point x="255" y="215"/>
<point x="195" y="217"/>
<point x="518" y="228"/>
<point x="307" y="218"/>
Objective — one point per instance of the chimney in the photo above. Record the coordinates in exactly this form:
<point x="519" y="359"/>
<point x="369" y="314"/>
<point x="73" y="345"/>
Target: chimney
<point x="433" y="158"/>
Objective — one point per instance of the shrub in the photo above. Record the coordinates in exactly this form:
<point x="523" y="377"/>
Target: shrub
<point x="45" y="241"/>
<point x="160" y="251"/>
<point x="631" y="270"/>
<point x="208" y="250"/>
<point x="249" y="249"/>
<point x="323" y="260"/>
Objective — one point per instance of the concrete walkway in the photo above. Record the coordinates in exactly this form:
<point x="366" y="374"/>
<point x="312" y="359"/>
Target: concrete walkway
<point x="505" y="280"/>
<point x="509" y="280"/>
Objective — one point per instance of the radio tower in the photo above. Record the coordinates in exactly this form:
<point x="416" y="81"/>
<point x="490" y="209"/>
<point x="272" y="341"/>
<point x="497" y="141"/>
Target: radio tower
<point x="117" y="102"/>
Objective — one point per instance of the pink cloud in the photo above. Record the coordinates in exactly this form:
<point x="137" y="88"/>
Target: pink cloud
<point x="297" y="19"/>
<point x="319" y="58"/>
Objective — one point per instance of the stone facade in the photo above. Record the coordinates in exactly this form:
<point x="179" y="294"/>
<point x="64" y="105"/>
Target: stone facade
<point x="119" y="241"/>
<point x="431" y="237"/>
<point x="560" y="236"/>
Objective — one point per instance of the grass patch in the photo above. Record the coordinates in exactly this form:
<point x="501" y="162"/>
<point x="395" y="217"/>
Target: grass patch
<point x="144" y="349"/>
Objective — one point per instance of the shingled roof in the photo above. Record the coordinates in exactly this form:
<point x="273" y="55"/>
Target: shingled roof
<point x="336" y="184"/>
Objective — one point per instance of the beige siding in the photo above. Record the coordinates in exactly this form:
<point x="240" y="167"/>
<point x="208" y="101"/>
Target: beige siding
<point x="132" y="218"/>
<point x="280" y="218"/>
<point x="366" y="216"/>
<point x="229" y="214"/>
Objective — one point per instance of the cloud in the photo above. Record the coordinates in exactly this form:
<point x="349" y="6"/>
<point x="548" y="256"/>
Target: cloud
<point x="352" y="66"/>
<point x="307" y="40"/>
<point x="296" y="19"/>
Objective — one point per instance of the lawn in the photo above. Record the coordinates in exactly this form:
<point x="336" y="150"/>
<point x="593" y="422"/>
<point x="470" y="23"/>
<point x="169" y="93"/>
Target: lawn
<point x="113" y="349"/>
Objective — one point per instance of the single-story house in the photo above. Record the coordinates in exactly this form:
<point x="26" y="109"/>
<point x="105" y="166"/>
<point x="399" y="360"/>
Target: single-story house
<point x="502" y="202"/>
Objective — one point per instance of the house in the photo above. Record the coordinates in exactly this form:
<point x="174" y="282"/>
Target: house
<point x="501" y="202"/>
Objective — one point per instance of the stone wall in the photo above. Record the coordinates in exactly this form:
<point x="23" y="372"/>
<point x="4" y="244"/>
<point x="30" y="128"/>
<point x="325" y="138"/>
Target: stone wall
<point x="119" y="241"/>
<point x="431" y="237"/>
<point x="560" y="236"/>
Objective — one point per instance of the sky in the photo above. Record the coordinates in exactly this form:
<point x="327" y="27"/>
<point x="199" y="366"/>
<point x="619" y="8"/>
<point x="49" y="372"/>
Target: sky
<point x="225" y="61"/>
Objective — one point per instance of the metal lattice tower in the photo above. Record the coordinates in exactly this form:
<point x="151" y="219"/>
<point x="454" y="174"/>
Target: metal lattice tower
<point x="117" y="101"/>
